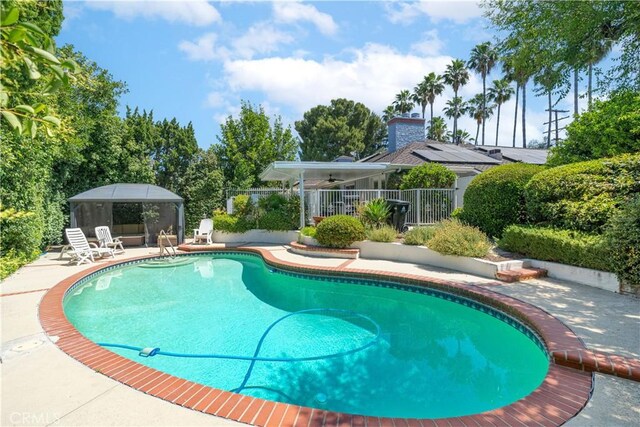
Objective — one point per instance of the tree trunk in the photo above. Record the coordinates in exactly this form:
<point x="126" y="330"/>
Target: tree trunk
<point x="498" y="124"/>
<point x="589" y="86"/>
<point x="549" y="130"/>
<point x="575" y="92"/>
<point x="484" y="103"/>
<point x="515" y="117"/>
<point x="455" y="119"/>
<point x="477" y="131"/>
<point x="524" y="115"/>
<point x="424" y="107"/>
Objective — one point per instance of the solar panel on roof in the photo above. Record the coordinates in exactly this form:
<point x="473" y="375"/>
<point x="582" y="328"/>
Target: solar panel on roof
<point x="449" y="155"/>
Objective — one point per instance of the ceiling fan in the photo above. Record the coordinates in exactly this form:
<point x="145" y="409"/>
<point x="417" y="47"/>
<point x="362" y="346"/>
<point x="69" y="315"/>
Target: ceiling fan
<point x="332" y="179"/>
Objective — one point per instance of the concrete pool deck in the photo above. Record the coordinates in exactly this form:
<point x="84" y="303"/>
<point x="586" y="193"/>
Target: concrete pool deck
<point x="41" y="385"/>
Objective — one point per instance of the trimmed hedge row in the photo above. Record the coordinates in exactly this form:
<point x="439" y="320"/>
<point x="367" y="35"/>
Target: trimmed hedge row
<point x="563" y="246"/>
<point x="623" y="237"/>
<point x="495" y="198"/>
<point x="582" y="196"/>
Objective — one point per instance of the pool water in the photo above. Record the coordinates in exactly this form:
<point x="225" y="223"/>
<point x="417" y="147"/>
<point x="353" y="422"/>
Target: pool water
<point x="433" y="357"/>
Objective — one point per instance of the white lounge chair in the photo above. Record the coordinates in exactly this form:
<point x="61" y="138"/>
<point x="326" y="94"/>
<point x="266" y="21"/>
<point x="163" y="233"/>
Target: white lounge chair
<point x="82" y="251"/>
<point x="204" y="231"/>
<point x="106" y="241"/>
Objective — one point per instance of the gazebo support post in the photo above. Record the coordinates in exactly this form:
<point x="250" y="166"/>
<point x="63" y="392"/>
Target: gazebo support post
<point x="301" y="190"/>
<point x="180" y="232"/>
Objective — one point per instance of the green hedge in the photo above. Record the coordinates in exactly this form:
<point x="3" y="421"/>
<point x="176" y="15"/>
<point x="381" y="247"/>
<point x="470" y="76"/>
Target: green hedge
<point x="428" y="175"/>
<point x="231" y="223"/>
<point x="623" y="239"/>
<point x="582" y="196"/>
<point x="495" y="198"/>
<point x="563" y="246"/>
<point x="339" y="231"/>
<point x="20" y="239"/>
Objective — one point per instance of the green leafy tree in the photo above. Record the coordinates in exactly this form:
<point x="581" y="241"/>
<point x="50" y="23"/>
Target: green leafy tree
<point x="455" y="109"/>
<point x="403" y="102"/>
<point x="483" y="58"/>
<point x="174" y="149"/>
<point x="456" y="75"/>
<point x="27" y="50"/>
<point x="341" y="128"/>
<point x="500" y="93"/>
<point x="202" y="187"/>
<point x="249" y="143"/>
<point x="610" y="128"/>
<point x="428" y="175"/>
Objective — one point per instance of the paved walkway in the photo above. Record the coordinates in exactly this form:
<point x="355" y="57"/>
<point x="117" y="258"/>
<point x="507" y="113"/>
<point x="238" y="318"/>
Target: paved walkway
<point x="43" y="386"/>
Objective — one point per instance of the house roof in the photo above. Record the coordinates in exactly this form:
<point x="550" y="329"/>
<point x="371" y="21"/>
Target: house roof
<point x="454" y="156"/>
<point x="127" y="193"/>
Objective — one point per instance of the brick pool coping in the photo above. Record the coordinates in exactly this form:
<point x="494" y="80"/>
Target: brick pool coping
<point x="562" y="394"/>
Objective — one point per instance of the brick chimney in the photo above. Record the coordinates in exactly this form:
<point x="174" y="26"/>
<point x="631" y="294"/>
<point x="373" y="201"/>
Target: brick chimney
<point x="404" y="130"/>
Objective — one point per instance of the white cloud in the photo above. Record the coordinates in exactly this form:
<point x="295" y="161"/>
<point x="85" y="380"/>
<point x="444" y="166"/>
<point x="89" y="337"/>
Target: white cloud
<point x="260" y="38"/>
<point x="456" y="11"/>
<point x="203" y="49"/>
<point x="292" y="12"/>
<point x="430" y="45"/>
<point x="373" y="75"/>
<point x="191" y="12"/>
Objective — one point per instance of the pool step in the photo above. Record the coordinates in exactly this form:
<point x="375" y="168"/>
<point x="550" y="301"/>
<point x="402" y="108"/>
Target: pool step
<point x="520" y="274"/>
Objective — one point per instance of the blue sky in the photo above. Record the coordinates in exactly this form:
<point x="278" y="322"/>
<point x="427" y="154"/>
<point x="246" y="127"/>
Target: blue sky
<point x="195" y="60"/>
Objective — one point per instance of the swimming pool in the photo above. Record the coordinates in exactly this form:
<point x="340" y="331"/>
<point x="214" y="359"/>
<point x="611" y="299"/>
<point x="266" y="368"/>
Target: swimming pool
<point x="436" y="355"/>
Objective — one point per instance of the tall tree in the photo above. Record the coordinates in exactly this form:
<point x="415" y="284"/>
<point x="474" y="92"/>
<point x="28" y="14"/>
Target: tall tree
<point x="551" y="80"/>
<point x="479" y="110"/>
<point x="403" y="102"/>
<point x="455" y="109"/>
<point x="500" y="93"/>
<point x="203" y="187"/>
<point x="172" y="154"/>
<point x="341" y="128"/>
<point x="388" y="113"/>
<point x="456" y="75"/>
<point x="483" y="58"/>
<point x="437" y="130"/>
<point x="249" y="143"/>
<point x="434" y="86"/>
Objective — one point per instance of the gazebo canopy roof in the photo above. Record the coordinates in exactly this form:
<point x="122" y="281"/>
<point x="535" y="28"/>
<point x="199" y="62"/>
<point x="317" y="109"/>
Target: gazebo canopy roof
<point x="127" y="193"/>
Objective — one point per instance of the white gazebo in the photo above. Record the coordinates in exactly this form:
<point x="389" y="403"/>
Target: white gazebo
<point x="321" y="173"/>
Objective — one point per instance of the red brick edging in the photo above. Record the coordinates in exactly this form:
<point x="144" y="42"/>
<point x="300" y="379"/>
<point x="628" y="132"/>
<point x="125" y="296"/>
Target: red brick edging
<point x="562" y="394"/>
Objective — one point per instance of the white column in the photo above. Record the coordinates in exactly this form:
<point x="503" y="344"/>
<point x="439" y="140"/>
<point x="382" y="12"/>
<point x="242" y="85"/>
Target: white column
<point x="303" y="222"/>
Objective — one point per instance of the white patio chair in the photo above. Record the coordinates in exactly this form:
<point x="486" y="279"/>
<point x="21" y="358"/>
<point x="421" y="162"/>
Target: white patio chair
<point x="106" y="241"/>
<point x="81" y="251"/>
<point x="204" y="231"/>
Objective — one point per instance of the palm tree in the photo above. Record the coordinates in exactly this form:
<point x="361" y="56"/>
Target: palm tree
<point x="403" y="102"/>
<point x="456" y="75"/>
<point x="388" y="113"/>
<point x="433" y="87"/>
<point x="461" y="136"/>
<point x="438" y="129"/>
<point x="500" y="93"/>
<point x="597" y="52"/>
<point x="483" y="58"/>
<point x="509" y="71"/>
<point x="549" y="78"/>
<point x="479" y="111"/>
<point x="419" y="96"/>
<point x="455" y="109"/>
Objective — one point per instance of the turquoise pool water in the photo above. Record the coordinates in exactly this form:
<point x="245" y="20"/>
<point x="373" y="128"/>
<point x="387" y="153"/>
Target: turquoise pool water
<point x="433" y="357"/>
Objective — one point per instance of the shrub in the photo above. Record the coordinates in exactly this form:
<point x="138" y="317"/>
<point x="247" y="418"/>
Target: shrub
<point x="419" y="236"/>
<point x="20" y="237"/>
<point x="563" y="246"/>
<point x="276" y="220"/>
<point x="622" y="237"/>
<point x="495" y="198"/>
<point x="272" y="202"/>
<point x="11" y="262"/>
<point x="582" y="196"/>
<point x="610" y="128"/>
<point x="451" y="237"/>
<point x="375" y="213"/>
<point x="385" y="233"/>
<point x="428" y="175"/>
<point x="242" y="205"/>
<point x="231" y="223"/>
<point x="339" y="231"/>
<point x="457" y="213"/>
<point x="308" y="231"/>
